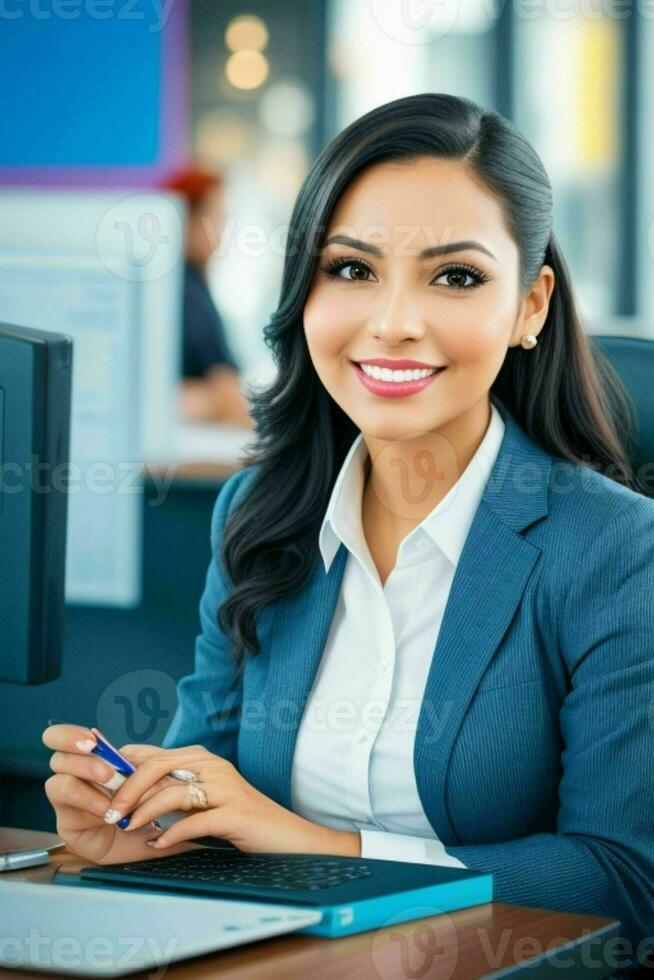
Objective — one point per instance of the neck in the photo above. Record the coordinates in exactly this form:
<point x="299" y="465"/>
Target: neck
<point x="406" y="478"/>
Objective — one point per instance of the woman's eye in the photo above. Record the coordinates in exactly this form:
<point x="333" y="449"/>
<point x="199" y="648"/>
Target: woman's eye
<point x="360" y="268"/>
<point x="457" y="277"/>
<point x="460" y="278"/>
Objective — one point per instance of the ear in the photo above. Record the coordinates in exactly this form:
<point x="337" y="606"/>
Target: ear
<point x="534" y="307"/>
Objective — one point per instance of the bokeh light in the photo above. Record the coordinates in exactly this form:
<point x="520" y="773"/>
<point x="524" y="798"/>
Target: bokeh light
<point x="247" y="69"/>
<point x="287" y="108"/>
<point x="246" y="32"/>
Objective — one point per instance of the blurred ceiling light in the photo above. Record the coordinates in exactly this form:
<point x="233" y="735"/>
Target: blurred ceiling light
<point x="287" y="108"/>
<point x="247" y="69"/>
<point x="283" y="164"/>
<point x="246" y="31"/>
<point x="222" y="138"/>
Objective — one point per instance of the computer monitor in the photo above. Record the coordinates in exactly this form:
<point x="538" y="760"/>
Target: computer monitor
<point x="106" y="269"/>
<point x="35" y="410"/>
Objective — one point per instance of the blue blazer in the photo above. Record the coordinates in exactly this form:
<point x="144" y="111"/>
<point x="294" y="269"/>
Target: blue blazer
<point x="534" y="749"/>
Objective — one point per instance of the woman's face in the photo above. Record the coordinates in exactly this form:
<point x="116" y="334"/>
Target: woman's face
<point x="459" y="309"/>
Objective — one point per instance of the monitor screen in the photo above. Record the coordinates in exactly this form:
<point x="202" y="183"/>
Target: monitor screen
<point x="35" y="405"/>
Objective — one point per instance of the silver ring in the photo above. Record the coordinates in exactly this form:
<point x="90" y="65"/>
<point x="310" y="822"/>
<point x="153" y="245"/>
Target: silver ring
<point x="198" y="794"/>
<point x="185" y="775"/>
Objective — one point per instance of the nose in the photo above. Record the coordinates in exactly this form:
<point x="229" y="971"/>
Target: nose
<point x="397" y="320"/>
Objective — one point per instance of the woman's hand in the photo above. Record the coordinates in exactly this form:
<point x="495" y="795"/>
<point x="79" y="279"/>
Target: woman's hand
<point x="81" y="802"/>
<point x="76" y="793"/>
<point x="216" y="397"/>
<point x="235" y="810"/>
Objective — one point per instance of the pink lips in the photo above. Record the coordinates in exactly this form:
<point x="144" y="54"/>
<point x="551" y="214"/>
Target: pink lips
<point x="394" y="389"/>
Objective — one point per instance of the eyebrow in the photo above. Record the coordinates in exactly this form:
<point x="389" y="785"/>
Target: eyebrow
<point x="426" y="253"/>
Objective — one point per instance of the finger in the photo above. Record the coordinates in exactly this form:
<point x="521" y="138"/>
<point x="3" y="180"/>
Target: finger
<point x="143" y="751"/>
<point x="168" y="799"/>
<point x="67" y="737"/>
<point x="90" y="768"/>
<point x="68" y="790"/>
<point x="162" y="784"/>
<point x="157" y="788"/>
<point x="149" y="772"/>
<point x="71" y="818"/>
<point x="204" y="824"/>
<point x="182" y="750"/>
<point x="139" y="753"/>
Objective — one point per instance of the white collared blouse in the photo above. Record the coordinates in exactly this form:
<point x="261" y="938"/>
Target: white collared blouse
<point x="353" y="762"/>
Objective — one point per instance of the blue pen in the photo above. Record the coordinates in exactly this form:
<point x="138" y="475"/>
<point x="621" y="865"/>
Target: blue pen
<point x="124" y="768"/>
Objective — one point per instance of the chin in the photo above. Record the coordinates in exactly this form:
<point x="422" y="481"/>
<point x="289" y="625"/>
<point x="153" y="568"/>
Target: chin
<point x="395" y="429"/>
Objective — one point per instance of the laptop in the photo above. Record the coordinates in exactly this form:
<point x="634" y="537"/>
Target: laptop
<point x="350" y="894"/>
<point x="26" y="848"/>
<point x="108" y="932"/>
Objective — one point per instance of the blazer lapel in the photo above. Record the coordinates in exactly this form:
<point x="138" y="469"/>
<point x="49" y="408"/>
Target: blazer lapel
<point x="302" y="624"/>
<point x="491" y="576"/>
<point x="493" y="570"/>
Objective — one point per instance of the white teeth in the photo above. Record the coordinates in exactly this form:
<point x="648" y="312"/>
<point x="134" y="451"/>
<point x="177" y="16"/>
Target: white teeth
<point x="385" y="374"/>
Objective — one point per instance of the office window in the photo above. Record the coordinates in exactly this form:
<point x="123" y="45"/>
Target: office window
<point x="566" y="74"/>
<point x="380" y="50"/>
<point x="568" y="85"/>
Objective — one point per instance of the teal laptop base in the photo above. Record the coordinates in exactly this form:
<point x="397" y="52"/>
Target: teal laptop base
<point x="375" y="913"/>
<point x="353" y="895"/>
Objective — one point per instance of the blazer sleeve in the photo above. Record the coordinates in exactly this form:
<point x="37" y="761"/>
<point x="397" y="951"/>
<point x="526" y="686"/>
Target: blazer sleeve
<point x="209" y="700"/>
<point x="601" y="858"/>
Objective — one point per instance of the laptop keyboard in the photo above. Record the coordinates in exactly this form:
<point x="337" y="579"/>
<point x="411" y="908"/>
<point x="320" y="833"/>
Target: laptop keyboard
<point x="289" y="872"/>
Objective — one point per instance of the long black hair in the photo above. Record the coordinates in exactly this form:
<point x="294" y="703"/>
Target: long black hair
<point x="565" y="396"/>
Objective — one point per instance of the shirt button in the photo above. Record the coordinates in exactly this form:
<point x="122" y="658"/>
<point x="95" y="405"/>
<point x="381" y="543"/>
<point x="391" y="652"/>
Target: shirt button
<point x="362" y="738"/>
<point x="383" y="665"/>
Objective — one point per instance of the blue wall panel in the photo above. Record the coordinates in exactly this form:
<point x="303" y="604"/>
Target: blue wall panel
<point x="80" y="91"/>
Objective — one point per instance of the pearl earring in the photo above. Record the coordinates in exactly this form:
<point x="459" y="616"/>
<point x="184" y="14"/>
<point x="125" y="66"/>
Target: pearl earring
<point x="528" y="341"/>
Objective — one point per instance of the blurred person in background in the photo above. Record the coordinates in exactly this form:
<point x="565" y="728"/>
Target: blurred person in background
<point x="210" y="388"/>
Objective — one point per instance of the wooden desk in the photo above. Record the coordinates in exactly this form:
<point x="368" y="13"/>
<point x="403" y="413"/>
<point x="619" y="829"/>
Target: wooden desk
<point x="488" y="940"/>
<point x="200" y="471"/>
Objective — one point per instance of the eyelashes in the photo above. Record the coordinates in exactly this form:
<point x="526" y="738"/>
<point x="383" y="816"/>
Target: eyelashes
<point x="333" y="268"/>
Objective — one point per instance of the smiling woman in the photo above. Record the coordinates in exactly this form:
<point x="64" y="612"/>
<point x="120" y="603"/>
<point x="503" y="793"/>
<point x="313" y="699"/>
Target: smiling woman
<point x="427" y="622"/>
<point x="424" y="230"/>
<point x="396" y="558"/>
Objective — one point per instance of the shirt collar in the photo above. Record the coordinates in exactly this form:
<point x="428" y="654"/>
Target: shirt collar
<point x="447" y="525"/>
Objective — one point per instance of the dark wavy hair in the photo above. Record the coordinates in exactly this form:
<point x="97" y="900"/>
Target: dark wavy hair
<point x="564" y="394"/>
